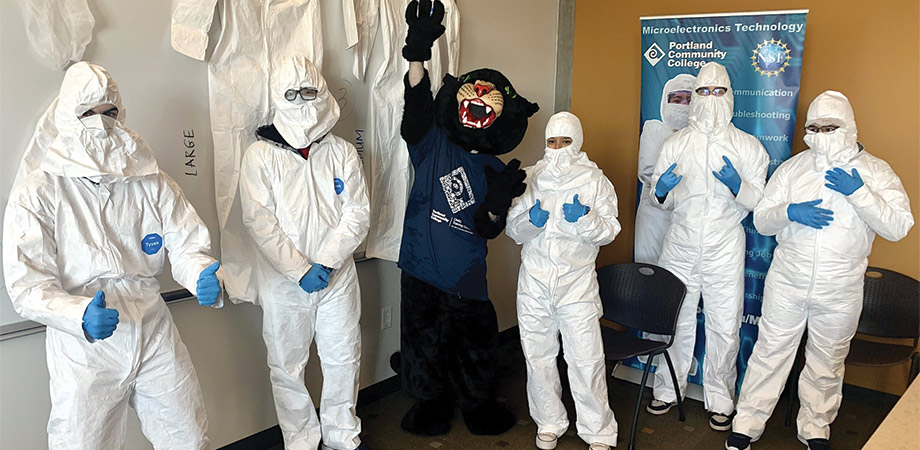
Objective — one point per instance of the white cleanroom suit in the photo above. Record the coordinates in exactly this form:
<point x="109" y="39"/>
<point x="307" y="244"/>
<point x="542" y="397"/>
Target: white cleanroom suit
<point x="253" y="35"/>
<point x="816" y="278"/>
<point x="303" y="210"/>
<point x="705" y="244"/>
<point x="652" y="222"/>
<point x="390" y="170"/>
<point x="557" y="284"/>
<point x="98" y="215"/>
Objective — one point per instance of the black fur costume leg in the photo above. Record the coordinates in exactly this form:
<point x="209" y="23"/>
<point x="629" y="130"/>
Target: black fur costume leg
<point x="448" y="357"/>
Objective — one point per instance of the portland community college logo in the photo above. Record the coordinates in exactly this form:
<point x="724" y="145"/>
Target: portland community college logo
<point x="771" y="57"/>
<point x="654" y="54"/>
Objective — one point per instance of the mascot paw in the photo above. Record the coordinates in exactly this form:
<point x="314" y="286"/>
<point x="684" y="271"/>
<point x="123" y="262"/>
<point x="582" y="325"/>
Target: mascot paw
<point x="428" y="418"/>
<point x="490" y="418"/>
<point x="504" y="186"/>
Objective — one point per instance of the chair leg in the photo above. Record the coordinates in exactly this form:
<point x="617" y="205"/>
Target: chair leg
<point x="632" y="432"/>
<point x="791" y="387"/>
<point x="680" y="401"/>
<point x="913" y="367"/>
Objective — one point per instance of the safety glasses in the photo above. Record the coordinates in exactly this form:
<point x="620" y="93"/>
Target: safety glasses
<point x="306" y="93"/>
<point x="709" y="90"/>
<point x="821" y="129"/>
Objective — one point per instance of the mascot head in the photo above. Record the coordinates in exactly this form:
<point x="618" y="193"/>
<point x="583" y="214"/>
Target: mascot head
<point x="481" y="111"/>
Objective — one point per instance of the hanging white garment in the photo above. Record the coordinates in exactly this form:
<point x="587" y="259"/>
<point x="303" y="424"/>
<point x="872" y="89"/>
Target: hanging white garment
<point x="58" y="30"/>
<point x="388" y="157"/>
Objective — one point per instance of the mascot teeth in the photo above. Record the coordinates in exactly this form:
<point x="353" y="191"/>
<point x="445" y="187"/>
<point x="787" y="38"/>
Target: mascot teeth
<point x="475" y="113"/>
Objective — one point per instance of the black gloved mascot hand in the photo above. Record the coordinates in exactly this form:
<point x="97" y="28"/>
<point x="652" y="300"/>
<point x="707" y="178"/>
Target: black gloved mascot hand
<point x="424" y="28"/>
<point x="503" y="187"/>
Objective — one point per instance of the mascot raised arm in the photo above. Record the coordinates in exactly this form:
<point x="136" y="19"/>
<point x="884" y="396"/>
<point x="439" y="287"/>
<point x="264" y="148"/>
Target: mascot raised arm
<point x="459" y="200"/>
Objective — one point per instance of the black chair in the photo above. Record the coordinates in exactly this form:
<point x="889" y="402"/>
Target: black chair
<point x="891" y="310"/>
<point x="644" y="297"/>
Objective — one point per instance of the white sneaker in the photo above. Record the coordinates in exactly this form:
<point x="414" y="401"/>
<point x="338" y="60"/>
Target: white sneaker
<point x="546" y="441"/>
<point x="720" y="422"/>
<point x="598" y="446"/>
<point x="658" y="407"/>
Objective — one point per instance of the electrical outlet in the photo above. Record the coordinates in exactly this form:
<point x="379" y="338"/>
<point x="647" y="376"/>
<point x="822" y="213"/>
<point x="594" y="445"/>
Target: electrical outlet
<point x="386" y="318"/>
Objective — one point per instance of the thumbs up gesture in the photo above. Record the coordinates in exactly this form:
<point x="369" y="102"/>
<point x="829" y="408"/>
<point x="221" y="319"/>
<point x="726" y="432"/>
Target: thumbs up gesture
<point x="573" y="211"/>
<point x="99" y="322"/>
<point x="538" y="215"/>
<point x="208" y="286"/>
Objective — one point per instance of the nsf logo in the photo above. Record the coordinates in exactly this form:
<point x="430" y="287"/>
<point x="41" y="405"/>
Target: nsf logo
<point x="654" y="54"/>
<point x="771" y="57"/>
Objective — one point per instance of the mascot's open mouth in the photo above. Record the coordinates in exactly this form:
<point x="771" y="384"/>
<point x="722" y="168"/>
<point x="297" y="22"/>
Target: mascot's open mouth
<point x="476" y="113"/>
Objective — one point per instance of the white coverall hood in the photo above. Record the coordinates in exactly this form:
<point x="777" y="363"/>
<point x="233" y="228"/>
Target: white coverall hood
<point x="837" y="147"/>
<point x="676" y="115"/>
<point x="302" y="122"/>
<point x="97" y="146"/>
<point x="711" y="114"/>
<point x="567" y="167"/>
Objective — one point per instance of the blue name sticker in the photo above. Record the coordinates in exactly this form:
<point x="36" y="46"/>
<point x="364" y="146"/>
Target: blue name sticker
<point x="339" y="186"/>
<point x="152" y="243"/>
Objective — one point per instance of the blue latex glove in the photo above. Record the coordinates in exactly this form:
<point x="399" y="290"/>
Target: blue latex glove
<point x="208" y="287"/>
<point x="316" y="279"/>
<point x="99" y="322"/>
<point x="842" y="182"/>
<point x="573" y="211"/>
<point x="729" y="176"/>
<point x="538" y="216"/>
<point x="808" y="214"/>
<point x="667" y="182"/>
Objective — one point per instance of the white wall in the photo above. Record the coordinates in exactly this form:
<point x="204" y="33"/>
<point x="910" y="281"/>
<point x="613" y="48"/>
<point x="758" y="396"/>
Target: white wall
<point x="516" y="37"/>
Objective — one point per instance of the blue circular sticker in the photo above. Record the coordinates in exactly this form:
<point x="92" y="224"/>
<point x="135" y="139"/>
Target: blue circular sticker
<point x="339" y="186"/>
<point x="152" y="243"/>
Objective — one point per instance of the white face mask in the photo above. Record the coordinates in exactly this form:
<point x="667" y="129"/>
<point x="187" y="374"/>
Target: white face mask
<point x="831" y="149"/>
<point x="99" y="125"/>
<point x="106" y="141"/>
<point x="303" y="122"/>
<point x="676" y="115"/>
<point x="710" y="113"/>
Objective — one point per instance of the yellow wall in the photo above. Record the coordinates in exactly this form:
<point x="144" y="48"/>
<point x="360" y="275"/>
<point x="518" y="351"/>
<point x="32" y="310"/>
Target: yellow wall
<point x="867" y="50"/>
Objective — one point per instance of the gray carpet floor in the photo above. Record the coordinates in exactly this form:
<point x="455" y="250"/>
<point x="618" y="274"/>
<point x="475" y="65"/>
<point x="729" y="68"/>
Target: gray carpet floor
<point x="859" y="416"/>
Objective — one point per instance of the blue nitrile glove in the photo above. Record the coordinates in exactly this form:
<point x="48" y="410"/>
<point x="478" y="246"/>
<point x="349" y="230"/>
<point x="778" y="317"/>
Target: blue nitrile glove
<point x="99" y="322"/>
<point x="842" y="182"/>
<point x="667" y="182"/>
<point x="538" y="216"/>
<point x="208" y="287"/>
<point x="810" y="215"/>
<point x="573" y="211"/>
<point x="316" y="279"/>
<point x="729" y="176"/>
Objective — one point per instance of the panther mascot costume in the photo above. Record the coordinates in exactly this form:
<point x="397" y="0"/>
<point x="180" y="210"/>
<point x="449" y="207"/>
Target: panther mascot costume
<point x="459" y="200"/>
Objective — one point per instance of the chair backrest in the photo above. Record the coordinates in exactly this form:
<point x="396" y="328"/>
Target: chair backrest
<point x="891" y="305"/>
<point x="641" y="296"/>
